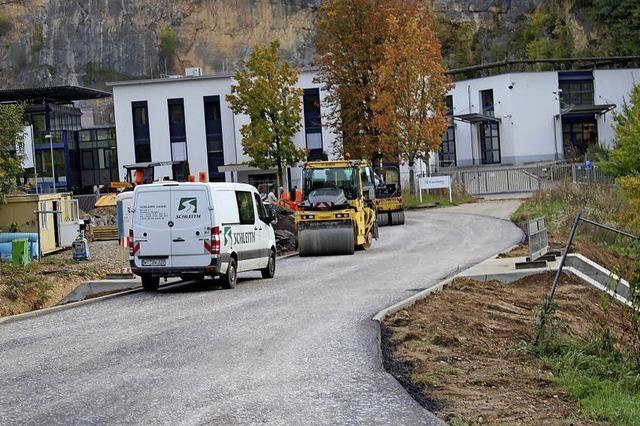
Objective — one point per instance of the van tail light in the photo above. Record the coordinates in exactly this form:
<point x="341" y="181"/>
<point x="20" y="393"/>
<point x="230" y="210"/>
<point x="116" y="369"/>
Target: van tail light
<point x="215" y="240"/>
<point x="133" y="247"/>
<point x="213" y="246"/>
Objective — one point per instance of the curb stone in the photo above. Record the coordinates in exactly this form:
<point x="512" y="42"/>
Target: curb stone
<point x="70" y="305"/>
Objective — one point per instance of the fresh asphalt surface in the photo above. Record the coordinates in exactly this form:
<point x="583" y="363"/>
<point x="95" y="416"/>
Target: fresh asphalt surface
<point x="299" y="349"/>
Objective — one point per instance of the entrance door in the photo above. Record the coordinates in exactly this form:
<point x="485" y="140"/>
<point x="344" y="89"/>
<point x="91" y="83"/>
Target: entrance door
<point x="577" y="136"/>
<point x="56" y="222"/>
<point x="490" y="143"/>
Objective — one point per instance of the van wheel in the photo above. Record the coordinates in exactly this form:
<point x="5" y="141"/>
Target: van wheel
<point x="150" y="283"/>
<point x="270" y="270"/>
<point x="230" y="279"/>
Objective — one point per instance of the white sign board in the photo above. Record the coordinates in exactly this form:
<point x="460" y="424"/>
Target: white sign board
<point x="435" y="182"/>
<point x="27" y="150"/>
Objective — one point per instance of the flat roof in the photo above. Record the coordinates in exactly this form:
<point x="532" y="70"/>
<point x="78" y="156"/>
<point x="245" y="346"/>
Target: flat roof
<point x="65" y="94"/>
<point x="555" y="64"/>
<point x="183" y="78"/>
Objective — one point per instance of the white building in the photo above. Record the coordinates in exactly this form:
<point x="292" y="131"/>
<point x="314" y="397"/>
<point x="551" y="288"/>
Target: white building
<point x="510" y="118"/>
<point x="188" y="118"/>
<point x="523" y="117"/>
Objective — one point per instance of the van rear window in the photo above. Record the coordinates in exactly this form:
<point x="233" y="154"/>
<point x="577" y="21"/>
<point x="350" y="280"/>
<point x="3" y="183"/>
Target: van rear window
<point x="245" y="207"/>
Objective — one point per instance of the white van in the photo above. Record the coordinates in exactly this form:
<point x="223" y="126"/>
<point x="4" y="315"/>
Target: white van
<point x="193" y="230"/>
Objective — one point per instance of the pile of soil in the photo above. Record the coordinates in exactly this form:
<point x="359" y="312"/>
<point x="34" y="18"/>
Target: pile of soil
<point x="460" y="351"/>
<point x="102" y="216"/>
<point x="285" y="230"/>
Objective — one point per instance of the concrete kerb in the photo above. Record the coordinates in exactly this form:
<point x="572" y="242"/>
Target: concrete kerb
<point x="380" y="316"/>
<point x="58" y="308"/>
<point x="75" y="304"/>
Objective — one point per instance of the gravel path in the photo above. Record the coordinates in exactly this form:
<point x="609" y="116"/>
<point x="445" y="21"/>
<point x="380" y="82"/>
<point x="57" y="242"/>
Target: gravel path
<point x="299" y="349"/>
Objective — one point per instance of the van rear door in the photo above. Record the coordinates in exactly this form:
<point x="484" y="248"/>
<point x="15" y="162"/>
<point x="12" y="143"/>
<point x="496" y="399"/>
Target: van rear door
<point x="191" y="231"/>
<point x="151" y="216"/>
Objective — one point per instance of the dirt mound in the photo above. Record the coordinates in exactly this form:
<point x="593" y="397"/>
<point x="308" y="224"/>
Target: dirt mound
<point x="463" y="348"/>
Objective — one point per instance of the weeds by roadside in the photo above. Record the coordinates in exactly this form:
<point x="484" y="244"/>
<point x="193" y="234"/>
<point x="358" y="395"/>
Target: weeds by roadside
<point x="601" y="372"/>
<point x="24" y="285"/>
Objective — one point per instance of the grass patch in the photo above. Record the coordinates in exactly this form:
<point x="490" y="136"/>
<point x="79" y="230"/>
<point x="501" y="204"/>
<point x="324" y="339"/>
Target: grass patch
<point x="437" y="196"/>
<point x="605" y="380"/>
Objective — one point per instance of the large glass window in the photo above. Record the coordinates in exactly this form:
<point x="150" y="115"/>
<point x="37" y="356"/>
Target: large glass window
<point x="141" y="140"/>
<point x="312" y="123"/>
<point x="178" y="137"/>
<point x="447" y="152"/>
<point x="245" y="207"/>
<point x="213" y="129"/>
<point x="576" y="88"/>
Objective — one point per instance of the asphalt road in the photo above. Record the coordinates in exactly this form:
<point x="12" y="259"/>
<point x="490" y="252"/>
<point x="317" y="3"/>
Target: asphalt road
<point x="299" y="349"/>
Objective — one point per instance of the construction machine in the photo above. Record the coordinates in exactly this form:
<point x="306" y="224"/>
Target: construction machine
<point x="389" y="206"/>
<point x="337" y="214"/>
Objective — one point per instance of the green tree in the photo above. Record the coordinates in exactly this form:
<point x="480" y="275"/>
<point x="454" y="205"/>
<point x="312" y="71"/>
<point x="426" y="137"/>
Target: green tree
<point x="265" y="91"/>
<point x="11" y="140"/>
<point x="624" y="159"/>
<point x="167" y="43"/>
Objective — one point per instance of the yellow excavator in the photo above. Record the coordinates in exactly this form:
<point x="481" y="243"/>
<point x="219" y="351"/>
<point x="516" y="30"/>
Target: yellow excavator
<point x="390" y="209"/>
<point x="136" y="174"/>
<point x="338" y="212"/>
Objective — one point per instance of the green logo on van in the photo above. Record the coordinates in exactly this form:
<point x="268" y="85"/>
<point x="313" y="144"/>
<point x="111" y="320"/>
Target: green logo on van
<point x="188" y="205"/>
<point x="227" y="235"/>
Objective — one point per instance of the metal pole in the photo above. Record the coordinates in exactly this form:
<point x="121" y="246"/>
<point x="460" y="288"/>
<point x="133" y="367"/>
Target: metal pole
<point x="53" y="167"/>
<point x="35" y="162"/>
<point x="547" y="302"/>
<point x="608" y="228"/>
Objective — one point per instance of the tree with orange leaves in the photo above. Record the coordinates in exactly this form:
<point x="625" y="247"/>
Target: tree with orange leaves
<point x="411" y="83"/>
<point x="348" y="41"/>
<point x="381" y="65"/>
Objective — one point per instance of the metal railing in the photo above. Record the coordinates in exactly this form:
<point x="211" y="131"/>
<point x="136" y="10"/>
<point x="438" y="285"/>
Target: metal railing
<point x="483" y="181"/>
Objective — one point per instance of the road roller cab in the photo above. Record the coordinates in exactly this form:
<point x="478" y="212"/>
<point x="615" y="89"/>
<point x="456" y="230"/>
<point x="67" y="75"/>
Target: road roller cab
<point x="337" y="213"/>
<point x="389" y="206"/>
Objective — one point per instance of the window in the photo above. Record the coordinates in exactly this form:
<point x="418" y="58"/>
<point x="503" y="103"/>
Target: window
<point x="245" y="208"/>
<point x="448" y="148"/>
<point x="213" y="129"/>
<point x="344" y="179"/>
<point x="447" y="154"/>
<point x="312" y="123"/>
<point x="486" y="99"/>
<point x="44" y="217"/>
<point x="262" y="211"/>
<point x="576" y="88"/>
<point x="577" y="137"/>
<point x="490" y="143"/>
<point x="141" y="139"/>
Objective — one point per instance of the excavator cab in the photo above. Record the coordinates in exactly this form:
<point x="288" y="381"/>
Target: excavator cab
<point x="337" y="212"/>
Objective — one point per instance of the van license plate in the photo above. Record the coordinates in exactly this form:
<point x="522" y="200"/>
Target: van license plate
<point x="154" y="262"/>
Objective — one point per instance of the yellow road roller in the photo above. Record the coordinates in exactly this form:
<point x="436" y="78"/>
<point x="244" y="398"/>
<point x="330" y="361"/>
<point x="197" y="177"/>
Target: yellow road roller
<point x="389" y="207"/>
<point x="338" y="212"/>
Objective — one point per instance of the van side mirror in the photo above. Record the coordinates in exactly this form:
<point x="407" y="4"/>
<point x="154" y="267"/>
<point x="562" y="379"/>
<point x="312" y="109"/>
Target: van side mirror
<point x="271" y="214"/>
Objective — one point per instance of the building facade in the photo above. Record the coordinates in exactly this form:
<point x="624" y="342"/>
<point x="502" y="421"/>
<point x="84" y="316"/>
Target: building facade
<point x="66" y="155"/>
<point x="503" y="119"/>
<point x="188" y="119"/>
<point x="523" y="117"/>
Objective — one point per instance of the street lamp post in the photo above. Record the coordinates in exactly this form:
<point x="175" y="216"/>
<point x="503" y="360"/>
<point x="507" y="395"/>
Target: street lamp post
<point x="53" y="166"/>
